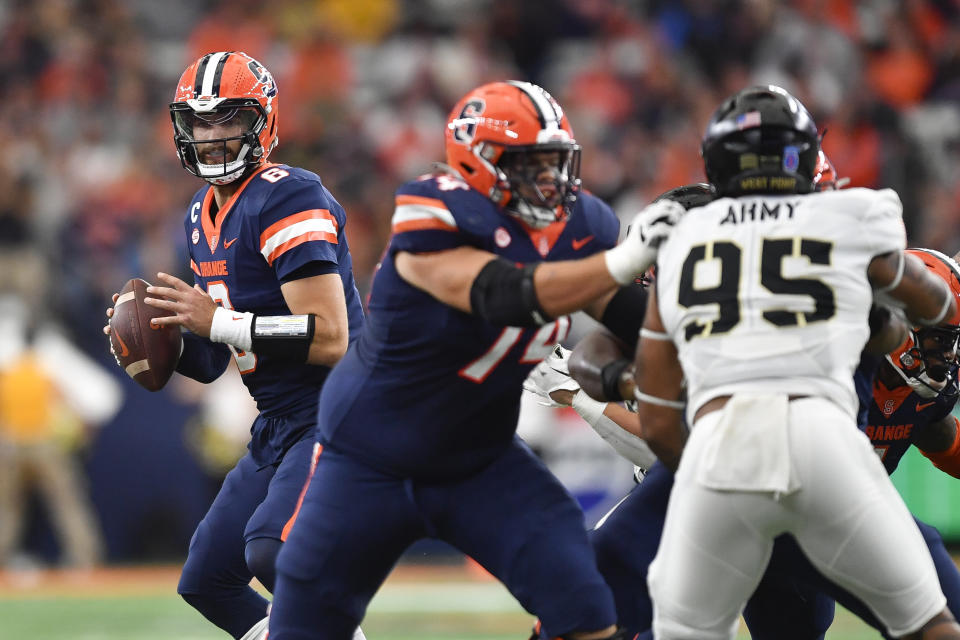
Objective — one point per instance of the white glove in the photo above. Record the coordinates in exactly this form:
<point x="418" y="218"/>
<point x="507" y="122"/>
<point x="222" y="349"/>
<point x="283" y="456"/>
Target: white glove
<point x="559" y="359"/>
<point x="638" y="251"/>
<point x="551" y="375"/>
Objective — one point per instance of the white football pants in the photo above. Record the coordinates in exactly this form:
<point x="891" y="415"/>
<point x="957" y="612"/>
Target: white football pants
<point x="846" y="515"/>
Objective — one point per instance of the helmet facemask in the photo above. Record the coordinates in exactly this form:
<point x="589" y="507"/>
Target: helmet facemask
<point x="203" y="149"/>
<point x="543" y="181"/>
<point x="937" y="348"/>
<point x="928" y="361"/>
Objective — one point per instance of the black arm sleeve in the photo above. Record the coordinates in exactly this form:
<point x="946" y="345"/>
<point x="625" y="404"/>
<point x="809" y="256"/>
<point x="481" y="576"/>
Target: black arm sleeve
<point x="202" y="360"/>
<point x="624" y="313"/>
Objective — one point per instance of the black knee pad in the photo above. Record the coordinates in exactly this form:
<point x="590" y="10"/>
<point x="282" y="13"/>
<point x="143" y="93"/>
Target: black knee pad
<point x="261" y="557"/>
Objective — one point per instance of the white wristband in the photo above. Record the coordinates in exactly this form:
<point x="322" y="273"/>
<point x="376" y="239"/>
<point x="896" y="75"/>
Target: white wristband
<point x="233" y="328"/>
<point x="587" y="408"/>
<point x="625" y="262"/>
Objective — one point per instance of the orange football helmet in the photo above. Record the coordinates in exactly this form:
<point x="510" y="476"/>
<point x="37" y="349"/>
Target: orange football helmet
<point x="231" y="90"/>
<point x="930" y="353"/>
<point x="825" y="175"/>
<point x="512" y="142"/>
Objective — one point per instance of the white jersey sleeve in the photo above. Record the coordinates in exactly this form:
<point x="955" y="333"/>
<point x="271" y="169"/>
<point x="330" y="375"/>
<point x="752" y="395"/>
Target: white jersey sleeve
<point x="885" y="218"/>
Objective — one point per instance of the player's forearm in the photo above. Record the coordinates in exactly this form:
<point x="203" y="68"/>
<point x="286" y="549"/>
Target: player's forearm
<point x="329" y="343"/>
<point x="947" y="459"/>
<point x="201" y="359"/>
<point x="926" y="297"/>
<point x="664" y="433"/>
<point x="568" y="286"/>
<point x="617" y="426"/>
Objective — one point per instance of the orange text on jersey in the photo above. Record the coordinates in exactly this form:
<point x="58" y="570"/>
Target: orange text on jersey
<point x="892" y="432"/>
<point x="214" y="268"/>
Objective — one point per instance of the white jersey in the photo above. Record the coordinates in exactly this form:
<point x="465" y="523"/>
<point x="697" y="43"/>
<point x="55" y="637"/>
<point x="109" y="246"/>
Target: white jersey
<point x="770" y="293"/>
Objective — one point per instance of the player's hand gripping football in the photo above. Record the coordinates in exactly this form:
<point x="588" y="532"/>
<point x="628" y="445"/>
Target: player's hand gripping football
<point x="106" y="327"/>
<point x="191" y="307"/>
<point x="551" y="380"/>
<point x="638" y="250"/>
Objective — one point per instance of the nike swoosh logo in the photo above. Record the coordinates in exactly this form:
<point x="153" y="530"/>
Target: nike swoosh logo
<point x="923" y="405"/>
<point x="124" y="351"/>
<point x="226" y="245"/>
<point x="578" y="244"/>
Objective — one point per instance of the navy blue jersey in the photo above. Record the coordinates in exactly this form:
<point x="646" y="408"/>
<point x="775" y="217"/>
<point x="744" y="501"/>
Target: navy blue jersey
<point x="428" y="390"/>
<point x="898" y="416"/>
<point x="282" y="222"/>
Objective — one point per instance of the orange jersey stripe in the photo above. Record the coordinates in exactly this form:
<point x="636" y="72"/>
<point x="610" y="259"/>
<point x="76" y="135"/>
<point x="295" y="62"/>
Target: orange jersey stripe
<point x="317" y="450"/>
<point x="421" y="224"/>
<point x="194" y="267"/>
<point x="306" y="237"/>
<point x="427" y="202"/>
<point x="289" y="221"/>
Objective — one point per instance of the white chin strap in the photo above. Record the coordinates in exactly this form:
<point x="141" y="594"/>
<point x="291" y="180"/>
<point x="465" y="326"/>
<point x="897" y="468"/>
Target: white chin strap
<point x="536" y="217"/>
<point x="220" y="175"/>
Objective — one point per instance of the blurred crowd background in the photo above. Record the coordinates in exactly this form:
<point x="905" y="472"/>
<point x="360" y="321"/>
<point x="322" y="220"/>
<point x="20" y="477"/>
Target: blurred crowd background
<point x="91" y="191"/>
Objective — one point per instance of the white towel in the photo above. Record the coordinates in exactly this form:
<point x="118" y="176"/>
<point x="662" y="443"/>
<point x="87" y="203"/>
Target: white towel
<point x="748" y="448"/>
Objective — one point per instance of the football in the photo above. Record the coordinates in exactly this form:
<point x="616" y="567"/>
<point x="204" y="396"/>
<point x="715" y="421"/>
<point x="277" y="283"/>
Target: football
<point x="147" y="352"/>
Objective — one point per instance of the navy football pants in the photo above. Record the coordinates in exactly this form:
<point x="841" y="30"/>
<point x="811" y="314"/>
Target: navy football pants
<point x="513" y="517"/>
<point x="252" y="505"/>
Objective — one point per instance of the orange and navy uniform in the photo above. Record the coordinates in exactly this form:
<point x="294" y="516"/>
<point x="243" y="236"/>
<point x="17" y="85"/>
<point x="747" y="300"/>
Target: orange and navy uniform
<point x="281" y="225"/>
<point x="418" y="428"/>
<point x="898" y="416"/>
<point x="441" y="356"/>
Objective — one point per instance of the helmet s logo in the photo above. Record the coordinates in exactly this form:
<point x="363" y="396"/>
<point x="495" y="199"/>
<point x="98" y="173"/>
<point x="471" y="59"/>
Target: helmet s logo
<point x="263" y="77"/>
<point x="465" y="127"/>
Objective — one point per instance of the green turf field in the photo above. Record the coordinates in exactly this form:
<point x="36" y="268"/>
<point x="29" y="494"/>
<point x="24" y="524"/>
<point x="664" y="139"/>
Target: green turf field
<point x="407" y="610"/>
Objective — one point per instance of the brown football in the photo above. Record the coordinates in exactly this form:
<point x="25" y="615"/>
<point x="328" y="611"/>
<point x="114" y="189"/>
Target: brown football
<point x="148" y="353"/>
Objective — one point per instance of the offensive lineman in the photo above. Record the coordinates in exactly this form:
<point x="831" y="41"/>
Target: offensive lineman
<point x="417" y="423"/>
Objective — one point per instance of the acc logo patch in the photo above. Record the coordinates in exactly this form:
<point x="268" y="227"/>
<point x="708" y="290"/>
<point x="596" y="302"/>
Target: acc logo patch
<point x="195" y="236"/>
<point x="502" y="237"/>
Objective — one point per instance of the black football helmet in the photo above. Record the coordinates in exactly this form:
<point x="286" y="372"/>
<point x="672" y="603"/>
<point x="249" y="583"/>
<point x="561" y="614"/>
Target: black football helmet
<point x="761" y="140"/>
<point x="690" y="195"/>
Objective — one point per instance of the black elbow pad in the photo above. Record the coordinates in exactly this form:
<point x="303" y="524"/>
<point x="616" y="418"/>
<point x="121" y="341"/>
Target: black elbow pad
<point x="504" y="295"/>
